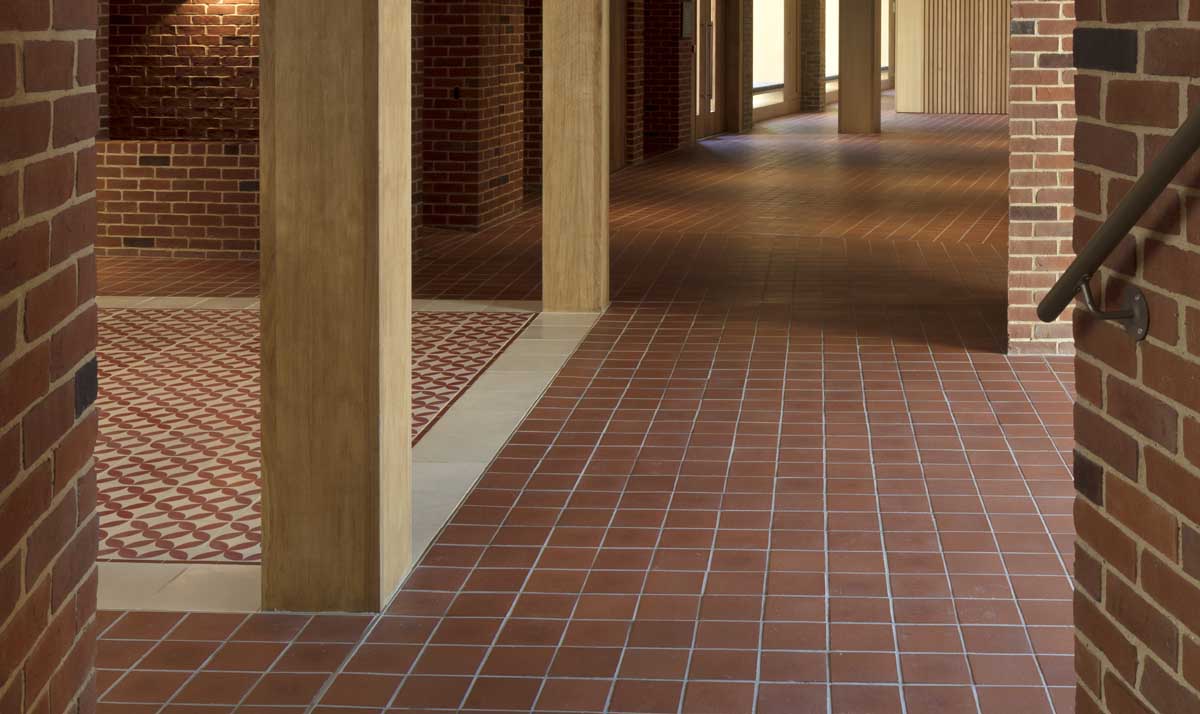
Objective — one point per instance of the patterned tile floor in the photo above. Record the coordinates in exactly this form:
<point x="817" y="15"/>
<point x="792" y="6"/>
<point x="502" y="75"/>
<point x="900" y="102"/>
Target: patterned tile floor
<point x="789" y="471"/>
<point x="178" y="459"/>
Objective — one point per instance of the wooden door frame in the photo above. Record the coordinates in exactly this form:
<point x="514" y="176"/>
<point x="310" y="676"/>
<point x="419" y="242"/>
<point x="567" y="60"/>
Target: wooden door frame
<point x="730" y="76"/>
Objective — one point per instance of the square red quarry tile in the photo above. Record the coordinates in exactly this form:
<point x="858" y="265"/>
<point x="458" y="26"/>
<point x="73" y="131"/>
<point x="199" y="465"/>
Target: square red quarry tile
<point x="421" y="692"/>
<point x="206" y="626"/>
<point x="852" y="699"/>
<point x="631" y="696"/>
<point x="450" y="660"/>
<point x="147" y="687"/>
<point x="143" y="625"/>
<point x="121" y="654"/>
<point x="361" y="690"/>
<point x="518" y="661"/>
<point x="245" y="656"/>
<point x="335" y="628"/>
<point x="286" y="689"/>
<point x="792" y="699"/>
<point x="503" y="693"/>
<point x="264" y="627"/>
<point x="312" y="657"/>
<point x="723" y="665"/>
<point x="383" y="659"/>
<point x="180" y="655"/>
<point x="574" y="695"/>
<point x="718" y="697"/>
<point x="216" y="688"/>
<point x="124" y="708"/>
<point x="939" y="699"/>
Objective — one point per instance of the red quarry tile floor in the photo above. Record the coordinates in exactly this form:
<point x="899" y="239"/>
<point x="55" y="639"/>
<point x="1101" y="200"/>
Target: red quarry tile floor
<point x="176" y="277"/>
<point x="789" y="471"/>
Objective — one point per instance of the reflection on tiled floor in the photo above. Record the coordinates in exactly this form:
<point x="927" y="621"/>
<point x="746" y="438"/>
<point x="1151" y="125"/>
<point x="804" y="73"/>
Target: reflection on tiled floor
<point x="931" y="191"/>
<point x="178" y="453"/>
<point x="789" y="471"/>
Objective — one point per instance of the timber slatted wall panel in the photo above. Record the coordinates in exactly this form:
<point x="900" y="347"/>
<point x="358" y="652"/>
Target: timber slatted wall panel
<point x="966" y="56"/>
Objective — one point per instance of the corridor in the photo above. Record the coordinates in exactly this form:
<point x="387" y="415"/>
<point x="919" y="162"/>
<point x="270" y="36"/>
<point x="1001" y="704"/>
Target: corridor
<point x="790" y="470"/>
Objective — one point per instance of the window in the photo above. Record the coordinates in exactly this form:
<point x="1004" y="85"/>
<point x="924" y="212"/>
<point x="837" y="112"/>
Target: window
<point x="770" y="44"/>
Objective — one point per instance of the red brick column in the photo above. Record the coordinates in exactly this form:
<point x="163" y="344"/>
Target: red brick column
<point x="1137" y="423"/>
<point x="1042" y="127"/>
<point x="474" y="99"/>
<point x="635" y="81"/>
<point x="812" y="55"/>
<point x="668" y="107"/>
<point x="102" y="66"/>
<point x="532" y="122"/>
<point x="48" y="522"/>
<point x="418" y="110"/>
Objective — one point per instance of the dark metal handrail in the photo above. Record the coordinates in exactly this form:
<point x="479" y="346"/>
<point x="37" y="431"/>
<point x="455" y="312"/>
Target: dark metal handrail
<point x="1178" y="151"/>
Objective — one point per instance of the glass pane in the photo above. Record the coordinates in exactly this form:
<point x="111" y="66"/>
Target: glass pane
<point x="766" y="99"/>
<point x="831" y="39"/>
<point x="770" y="54"/>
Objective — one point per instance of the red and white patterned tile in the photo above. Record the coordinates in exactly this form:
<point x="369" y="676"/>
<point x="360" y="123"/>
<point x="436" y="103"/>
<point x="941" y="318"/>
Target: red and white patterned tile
<point x="178" y="458"/>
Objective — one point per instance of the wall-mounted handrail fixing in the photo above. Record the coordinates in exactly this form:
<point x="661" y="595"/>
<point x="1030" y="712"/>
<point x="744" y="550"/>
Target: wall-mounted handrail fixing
<point x="1178" y="151"/>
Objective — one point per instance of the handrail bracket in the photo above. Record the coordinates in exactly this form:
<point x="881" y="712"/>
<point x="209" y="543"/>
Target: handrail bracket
<point x="1134" y="317"/>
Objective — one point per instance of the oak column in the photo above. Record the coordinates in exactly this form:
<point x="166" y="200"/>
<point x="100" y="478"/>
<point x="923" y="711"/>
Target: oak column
<point x="575" y="151"/>
<point x="336" y="272"/>
<point x="860" y="40"/>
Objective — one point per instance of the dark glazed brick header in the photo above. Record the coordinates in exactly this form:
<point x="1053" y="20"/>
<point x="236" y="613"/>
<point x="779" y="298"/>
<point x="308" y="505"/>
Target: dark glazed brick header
<point x="86" y="386"/>
<point x="1107" y="50"/>
<point x="1024" y="27"/>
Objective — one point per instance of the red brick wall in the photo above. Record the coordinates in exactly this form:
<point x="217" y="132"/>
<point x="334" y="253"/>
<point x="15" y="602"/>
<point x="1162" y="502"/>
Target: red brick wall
<point x="181" y="107"/>
<point x="1137" y="422"/>
<point x="181" y="71"/>
<point x="473" y="111"/>
<point x="48" y="522"/>
<point x="1041" y="129"/>
<point x="668" y="107"/>
<point x="197" y="199"/>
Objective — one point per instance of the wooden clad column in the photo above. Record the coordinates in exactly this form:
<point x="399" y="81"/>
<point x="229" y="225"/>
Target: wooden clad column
<point x="860" y="50"/>
<point x="336" y="271"/>
<point x="575" y="155"/>
<point x="910" y="56"/>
